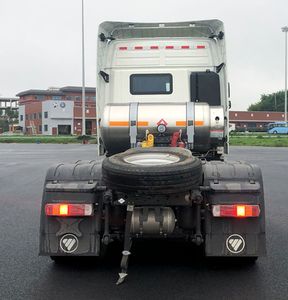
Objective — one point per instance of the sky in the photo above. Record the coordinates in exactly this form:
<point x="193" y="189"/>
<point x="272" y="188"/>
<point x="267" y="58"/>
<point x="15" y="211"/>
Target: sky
<point x="40" y="40"/>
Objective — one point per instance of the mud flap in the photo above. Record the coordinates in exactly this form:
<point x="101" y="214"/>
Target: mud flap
<point x="61" y="236"/>
<point x="234" y="183"/>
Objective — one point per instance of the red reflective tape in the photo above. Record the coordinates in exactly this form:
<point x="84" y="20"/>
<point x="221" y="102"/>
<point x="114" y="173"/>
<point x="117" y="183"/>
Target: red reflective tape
<point x="185" y="47"/>
<point x="123" y="48"/>
<point x="169" y="47"/>
<point x="200" y="47"/>
<point x="138" y="48"/>
<point x="154" y="47"/>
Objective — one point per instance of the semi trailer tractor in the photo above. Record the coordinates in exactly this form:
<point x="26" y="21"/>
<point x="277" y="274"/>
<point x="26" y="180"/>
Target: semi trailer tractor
<point x="163" y="131"/>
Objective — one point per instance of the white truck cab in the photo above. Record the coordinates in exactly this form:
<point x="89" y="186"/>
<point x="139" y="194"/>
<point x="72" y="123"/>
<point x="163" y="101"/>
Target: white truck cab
<point x="160" y="67"/>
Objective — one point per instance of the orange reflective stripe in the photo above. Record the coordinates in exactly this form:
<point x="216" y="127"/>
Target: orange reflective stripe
<point x="184" y="123"/>
<point x="199" y="123"/>
<point x="181" y="123"/>
<point x="118" y="123"/>
<point x="142" y="123"/>
<point x="126" y="124"/>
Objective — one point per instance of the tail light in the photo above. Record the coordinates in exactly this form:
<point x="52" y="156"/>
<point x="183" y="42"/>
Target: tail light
<point x="68" y="210"/>
<point x="236" y="210"/>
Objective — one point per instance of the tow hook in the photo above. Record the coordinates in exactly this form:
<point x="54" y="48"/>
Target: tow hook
<point x="127" y="245"/>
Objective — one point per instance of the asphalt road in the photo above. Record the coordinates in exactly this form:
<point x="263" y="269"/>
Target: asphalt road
<point x="157" y="271"/>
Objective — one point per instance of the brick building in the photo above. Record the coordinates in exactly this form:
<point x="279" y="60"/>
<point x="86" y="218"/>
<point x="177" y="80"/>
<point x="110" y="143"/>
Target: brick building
<point x="57" y="111"/>
<point x="254" y="119"/>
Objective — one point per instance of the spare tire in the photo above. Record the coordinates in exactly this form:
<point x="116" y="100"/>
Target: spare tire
<point x="162" y="170"/>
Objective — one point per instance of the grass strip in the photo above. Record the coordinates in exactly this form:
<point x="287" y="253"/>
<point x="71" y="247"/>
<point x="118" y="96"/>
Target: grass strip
<point x="45" y="139"/>
<point x="260" y="140"/>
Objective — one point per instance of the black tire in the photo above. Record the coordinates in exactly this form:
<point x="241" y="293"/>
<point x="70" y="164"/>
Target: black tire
<point x="182" y="175"/>
<point x="275" y="132"/>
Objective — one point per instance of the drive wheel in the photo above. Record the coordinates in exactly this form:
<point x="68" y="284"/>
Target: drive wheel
<point x="153" y="170"/>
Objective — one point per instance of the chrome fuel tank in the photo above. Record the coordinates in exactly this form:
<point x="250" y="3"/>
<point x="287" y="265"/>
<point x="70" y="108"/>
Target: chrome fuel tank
<point x="206" y="123"/>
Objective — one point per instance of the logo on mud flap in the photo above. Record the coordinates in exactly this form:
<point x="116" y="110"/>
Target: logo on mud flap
<point x="69" y="243"/>
<point x="235" y="243"/>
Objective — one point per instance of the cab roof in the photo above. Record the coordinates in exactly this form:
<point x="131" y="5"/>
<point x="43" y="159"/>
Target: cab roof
<point x="125" y="30"/>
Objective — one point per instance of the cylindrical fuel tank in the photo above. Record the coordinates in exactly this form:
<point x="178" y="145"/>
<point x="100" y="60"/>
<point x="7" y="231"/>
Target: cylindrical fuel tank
<point x="208" y="122"/>
<point x="153" y="220"/>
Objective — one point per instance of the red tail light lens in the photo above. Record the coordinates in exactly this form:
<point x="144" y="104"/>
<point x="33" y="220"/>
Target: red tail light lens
<point x="68" y="210"/>
<point x="236" y="210"/>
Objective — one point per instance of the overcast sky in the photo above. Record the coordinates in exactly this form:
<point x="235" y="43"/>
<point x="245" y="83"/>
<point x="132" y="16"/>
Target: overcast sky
<point x="40" y="40"/>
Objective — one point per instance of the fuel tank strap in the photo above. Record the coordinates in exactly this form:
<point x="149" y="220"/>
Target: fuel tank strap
<point x="133" y="116"/>
<point x="190" y="115"/>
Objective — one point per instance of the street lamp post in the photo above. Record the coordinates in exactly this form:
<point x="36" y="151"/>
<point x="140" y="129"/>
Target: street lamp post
<point x="83" y="75"/>
<point x="285" y="30"/>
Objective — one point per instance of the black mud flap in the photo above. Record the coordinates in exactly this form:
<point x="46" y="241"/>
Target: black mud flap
<point x="74" y="183"/>
<point x="234" y="183"/>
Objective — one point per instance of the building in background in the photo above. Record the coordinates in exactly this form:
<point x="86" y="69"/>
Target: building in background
<point x="57" y="111"/>
<point x="254" y="120"/>
<point x="8" y="104"/>
<point x="8" y="114"/>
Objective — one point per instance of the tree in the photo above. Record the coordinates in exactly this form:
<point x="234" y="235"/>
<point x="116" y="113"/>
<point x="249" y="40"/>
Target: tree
<point x="270" y="102"/>
<point x="11" y="115"/>
<point x="4" y="125"/>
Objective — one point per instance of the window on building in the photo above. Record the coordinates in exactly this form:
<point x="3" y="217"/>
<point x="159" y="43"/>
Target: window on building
<point x="34" y="116"/>
<point x="21" y="117"/>
<point x="45" y="127"/>
<point x="40" y="115"/>
<point x="26" y="117"/>
<point x="56" y="97"/>
<point x="68" y="98"/>
<point x="40" y="128"/>
<point x="39" y="97"/>
<point x="93" y="98"/>
<point x="45" y="114"/>
<point x="77" y="98"/>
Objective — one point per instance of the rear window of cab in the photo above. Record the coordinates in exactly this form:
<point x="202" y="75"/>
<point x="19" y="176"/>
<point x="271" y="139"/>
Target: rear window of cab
<point x="151" y="84"/>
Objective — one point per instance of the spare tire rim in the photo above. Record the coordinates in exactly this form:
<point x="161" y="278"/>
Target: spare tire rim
<point x="151" y="159"/>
